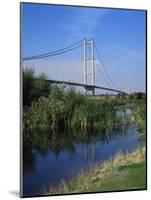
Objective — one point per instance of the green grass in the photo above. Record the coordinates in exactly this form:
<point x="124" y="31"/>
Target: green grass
<point x="142" y="137"/>
<point x="126" y="177"/>
<point x="124" y="172"/>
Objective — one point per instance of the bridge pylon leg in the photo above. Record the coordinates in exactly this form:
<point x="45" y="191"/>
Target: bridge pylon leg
<point x="93" y="92"/>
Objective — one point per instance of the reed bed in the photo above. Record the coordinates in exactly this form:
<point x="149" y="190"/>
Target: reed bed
<point x="63" y="110"/>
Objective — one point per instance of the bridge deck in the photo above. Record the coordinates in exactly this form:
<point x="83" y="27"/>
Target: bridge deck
<point x="88" y="87"/>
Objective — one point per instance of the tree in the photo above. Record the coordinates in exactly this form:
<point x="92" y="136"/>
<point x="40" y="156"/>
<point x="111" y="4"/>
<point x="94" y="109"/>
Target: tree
<point x="34" y="86"/>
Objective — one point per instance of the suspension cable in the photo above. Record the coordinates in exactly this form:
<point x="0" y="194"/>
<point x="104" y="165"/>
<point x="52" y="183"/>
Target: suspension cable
<point x="103" y="75"/>
<point x="54" y="53"/>
<point x="100" y="71"/>
<point x="113" y="85"/>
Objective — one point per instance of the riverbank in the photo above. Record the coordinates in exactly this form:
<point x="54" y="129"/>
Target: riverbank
<point x="124" y="172"/>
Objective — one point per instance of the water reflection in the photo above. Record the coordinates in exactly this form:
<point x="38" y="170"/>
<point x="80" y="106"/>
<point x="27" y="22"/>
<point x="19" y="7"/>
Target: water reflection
<point x="124" y="113"/>
<point x="49" y="157"/>
<point x="42" y="141"/>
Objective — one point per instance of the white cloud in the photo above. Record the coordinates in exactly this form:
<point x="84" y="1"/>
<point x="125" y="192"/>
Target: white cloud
<point x="84" y="22"/>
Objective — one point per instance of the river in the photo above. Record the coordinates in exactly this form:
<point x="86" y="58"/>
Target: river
<point x="49" y="157"/>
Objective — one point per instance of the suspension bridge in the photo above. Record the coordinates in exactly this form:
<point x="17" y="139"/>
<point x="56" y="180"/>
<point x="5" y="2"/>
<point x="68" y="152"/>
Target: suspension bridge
<point x="89" y="50"/>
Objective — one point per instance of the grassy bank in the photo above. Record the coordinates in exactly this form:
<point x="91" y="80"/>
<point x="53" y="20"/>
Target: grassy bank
<point x="124" y="172"/>
<point x="139" y="117"/>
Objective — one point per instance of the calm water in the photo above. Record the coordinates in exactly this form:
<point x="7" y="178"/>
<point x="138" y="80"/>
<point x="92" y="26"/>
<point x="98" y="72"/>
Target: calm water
<point x="52" y="157"/>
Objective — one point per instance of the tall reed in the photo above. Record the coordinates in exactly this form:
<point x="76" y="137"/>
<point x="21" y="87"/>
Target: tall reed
<point x="66" y="109"/>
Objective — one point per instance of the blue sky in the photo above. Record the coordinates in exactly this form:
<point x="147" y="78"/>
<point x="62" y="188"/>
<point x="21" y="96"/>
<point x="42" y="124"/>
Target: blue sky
<point x="118" y="34"/>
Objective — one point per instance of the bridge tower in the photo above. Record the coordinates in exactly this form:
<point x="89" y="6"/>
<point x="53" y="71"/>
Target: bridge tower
<point x="89" y="44"/>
